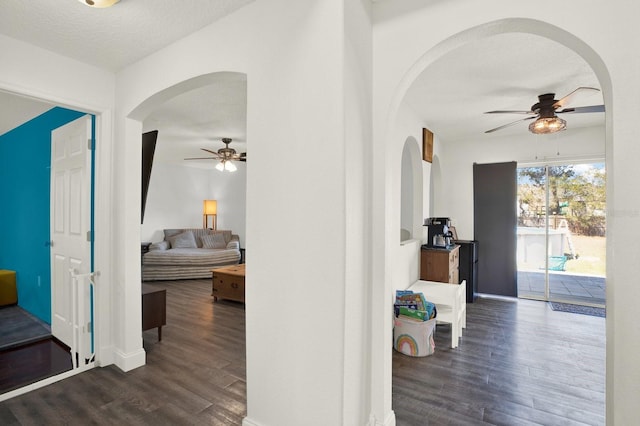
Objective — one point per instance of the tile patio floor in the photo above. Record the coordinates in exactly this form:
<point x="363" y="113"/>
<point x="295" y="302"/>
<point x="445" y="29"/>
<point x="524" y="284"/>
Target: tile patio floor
<point x="563" y="287"/>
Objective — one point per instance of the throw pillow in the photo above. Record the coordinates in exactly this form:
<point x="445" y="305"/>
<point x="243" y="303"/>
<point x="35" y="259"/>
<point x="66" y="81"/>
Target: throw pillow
<point x="213" y="241"/>
<point x="183" y="240"/>
<point x="162" y="245"/>
<point x="168" y="233"/>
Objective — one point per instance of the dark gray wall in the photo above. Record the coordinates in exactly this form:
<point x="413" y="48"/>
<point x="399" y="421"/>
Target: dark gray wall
<point x="495" y="222"/>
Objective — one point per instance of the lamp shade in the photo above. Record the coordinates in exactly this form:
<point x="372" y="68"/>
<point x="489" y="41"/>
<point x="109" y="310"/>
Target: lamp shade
<point x="546" y="125"/>
<point x="210" y="207"/>
<point x="99" y="3"/>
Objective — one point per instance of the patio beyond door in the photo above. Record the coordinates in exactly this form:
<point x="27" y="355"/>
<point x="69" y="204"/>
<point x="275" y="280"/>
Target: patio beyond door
<point x="561" y="233"/>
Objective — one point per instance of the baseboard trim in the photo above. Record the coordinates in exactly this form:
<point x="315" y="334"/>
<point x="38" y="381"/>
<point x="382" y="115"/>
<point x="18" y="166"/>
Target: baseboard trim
<point x="104" y="356"/>
<point x="390" y="420"/>
<point x="130" y="361"/>
<point x="248" y="422"/>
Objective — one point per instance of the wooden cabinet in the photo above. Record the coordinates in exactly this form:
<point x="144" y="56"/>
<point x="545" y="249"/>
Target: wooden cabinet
<point x="440" y="265"/>
<point x="154" y="308"/>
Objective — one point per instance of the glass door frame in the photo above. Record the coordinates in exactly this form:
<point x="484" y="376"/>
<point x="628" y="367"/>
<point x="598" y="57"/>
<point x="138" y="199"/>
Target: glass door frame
<point x="547" y="296"/>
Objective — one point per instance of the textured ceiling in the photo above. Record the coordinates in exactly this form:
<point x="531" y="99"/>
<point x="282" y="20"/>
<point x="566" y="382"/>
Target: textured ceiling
<point x="503" y="72"/>
<point x="115" y="37"/>
<point x="200" y="119"/>
<point x="110" y="38"/>
<point x="506" y="71"/>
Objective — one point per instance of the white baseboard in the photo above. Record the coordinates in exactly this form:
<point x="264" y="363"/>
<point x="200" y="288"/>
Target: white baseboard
<point x="390" y="420"/>
<point x="248" y="422"/>
<point x="130" y="361"/>
<point x="104" y="356"/>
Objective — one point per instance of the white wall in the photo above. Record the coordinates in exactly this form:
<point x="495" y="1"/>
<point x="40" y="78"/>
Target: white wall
<point x="408" y="130"/>
<point x="307" y="358"/>
<point x="174" y="199"/>
<point x="406" y="194"/>
<point x="408" y="36"/>
<point x="357" y="74"/>
<point x="176" y="194"/>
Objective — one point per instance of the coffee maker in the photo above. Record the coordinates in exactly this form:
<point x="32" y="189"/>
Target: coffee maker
<point x="439" y="235"/>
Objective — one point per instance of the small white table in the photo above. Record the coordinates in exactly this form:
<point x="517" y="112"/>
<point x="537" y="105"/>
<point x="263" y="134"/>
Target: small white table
<point x="450" y="301"/>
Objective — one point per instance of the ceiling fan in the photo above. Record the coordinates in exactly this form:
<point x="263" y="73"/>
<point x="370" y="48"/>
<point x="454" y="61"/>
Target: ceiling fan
<point x="225" y="155"/>
<point x="545" y="110"/>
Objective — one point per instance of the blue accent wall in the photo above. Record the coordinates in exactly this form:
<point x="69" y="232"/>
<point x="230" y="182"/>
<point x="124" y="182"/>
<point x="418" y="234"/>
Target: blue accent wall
<point x="25" y="163"/>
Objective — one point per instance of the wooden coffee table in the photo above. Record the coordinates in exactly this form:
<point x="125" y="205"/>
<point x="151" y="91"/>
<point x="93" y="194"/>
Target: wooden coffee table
<point x="228" y="283"/>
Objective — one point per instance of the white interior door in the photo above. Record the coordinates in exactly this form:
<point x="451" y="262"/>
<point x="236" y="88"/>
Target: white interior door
<point x="70" y="219"/>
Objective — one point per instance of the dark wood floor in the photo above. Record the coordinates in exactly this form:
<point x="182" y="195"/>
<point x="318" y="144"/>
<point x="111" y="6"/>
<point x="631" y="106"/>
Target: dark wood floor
<point x="26" y="364"/>
<point x="517" y="364"/>
<point x="196" y="375"/>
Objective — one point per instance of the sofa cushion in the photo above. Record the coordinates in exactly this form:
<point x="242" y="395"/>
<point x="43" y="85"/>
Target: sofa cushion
<point x="213" y="241"/>
<point x="191" y="257"/>
<point x="197" y="233"/>
<point x="162" y="245"/>
<point x="168" y="233"/>
<point x="183" y="240"/>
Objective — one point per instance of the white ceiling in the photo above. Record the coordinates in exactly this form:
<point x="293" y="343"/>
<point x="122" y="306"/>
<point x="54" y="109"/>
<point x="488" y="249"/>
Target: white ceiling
<point x="506" y="71"/>
<point x="200" y="119"/>
<point x="110" y="38"/>
<point x="115" y="37"/>
<point x="503" y="72"/>
<point x="16" y="110"/>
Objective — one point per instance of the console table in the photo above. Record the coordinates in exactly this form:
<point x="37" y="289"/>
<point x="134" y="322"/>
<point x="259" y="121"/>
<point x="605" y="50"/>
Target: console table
<point x="154" y="308"/>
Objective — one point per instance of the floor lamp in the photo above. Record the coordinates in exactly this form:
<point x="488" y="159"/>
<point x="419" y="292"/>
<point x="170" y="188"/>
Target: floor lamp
<point x="210" y="208"/>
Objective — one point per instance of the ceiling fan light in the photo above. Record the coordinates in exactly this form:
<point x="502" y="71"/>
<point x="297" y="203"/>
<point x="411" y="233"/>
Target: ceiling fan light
<point x="220" y="166"/>
<point x="99" y="3"/>
<point x="230" y="166"/>
<point x="547" y="125"/>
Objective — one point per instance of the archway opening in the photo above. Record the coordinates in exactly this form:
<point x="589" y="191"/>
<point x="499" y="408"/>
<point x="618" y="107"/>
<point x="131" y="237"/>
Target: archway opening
<point x="445" y="188"/>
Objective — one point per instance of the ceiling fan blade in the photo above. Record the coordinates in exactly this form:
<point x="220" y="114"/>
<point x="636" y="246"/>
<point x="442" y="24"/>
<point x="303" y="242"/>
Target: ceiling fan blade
<point x="201" y="158"/>
<point x="509" y="112"/>
<point x="563" y="101"/>
<point x="592" y="108"/>
<point x="510" y="124"/>
<point x="209" y="151"/>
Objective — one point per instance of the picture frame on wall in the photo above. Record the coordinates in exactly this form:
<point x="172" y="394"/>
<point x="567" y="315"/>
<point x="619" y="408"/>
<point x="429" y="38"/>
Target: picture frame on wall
<point x="427" y="145"/>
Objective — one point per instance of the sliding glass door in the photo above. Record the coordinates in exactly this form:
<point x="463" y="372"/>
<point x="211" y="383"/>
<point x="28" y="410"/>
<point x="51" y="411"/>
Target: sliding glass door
<point x="561" y="233"/>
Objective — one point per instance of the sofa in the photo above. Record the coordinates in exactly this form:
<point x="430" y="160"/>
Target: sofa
<point x="190" y="253"/>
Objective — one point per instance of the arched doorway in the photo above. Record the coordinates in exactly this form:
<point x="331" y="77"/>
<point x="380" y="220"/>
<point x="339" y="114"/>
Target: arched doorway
<point x="432" y="55"/>
<point x="191" y="118"/>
